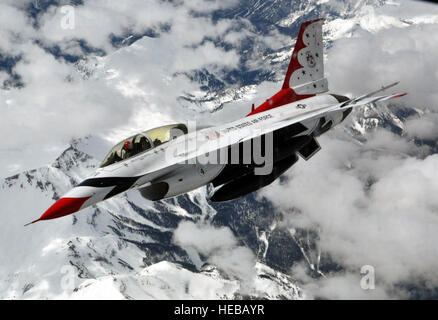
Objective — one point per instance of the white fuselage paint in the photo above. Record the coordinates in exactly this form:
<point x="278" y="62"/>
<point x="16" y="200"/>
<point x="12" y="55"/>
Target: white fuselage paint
<point x="154" y="166"/>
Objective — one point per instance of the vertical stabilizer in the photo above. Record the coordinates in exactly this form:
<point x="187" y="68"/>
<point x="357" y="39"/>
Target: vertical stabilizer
<point x="305" y="74"/>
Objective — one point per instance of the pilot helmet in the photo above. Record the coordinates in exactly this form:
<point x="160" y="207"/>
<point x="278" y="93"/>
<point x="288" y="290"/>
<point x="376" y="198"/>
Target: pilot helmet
<point x="127" y="145"/>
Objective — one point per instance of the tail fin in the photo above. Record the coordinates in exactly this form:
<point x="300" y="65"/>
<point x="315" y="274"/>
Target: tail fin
<point x="305" y="74"/>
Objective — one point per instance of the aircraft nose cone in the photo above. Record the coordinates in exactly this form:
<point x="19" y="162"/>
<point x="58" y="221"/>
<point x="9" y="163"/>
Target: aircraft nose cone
<point x="63" y="207"/>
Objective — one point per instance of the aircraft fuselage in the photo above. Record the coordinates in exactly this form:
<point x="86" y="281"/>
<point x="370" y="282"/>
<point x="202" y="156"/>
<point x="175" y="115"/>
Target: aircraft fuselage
<point x="149" y="171"/>
<point x="238" y="157"/>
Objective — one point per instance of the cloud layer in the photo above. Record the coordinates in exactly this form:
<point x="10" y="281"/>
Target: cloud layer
<point x="219" y="247"/>
<point x="374" y="204"/>
<point x="124" y="91"/>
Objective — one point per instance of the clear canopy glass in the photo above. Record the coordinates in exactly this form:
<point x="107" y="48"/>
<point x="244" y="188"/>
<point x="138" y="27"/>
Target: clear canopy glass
<point x="142" y="142"/>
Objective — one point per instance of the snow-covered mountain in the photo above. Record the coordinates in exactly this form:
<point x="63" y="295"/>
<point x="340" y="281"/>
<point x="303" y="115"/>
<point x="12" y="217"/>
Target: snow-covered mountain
<point x="122" y="248"/>
<point x="127" y="247"/>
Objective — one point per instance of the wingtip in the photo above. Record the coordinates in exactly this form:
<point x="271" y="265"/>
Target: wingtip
<point x="394" y="96"/>
<point x="390" y="85"/>
<point x="400" y="95"/>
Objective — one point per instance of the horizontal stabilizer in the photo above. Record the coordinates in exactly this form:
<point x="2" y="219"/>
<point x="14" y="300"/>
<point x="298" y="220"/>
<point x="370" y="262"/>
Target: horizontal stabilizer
<point x="314" y="87"/>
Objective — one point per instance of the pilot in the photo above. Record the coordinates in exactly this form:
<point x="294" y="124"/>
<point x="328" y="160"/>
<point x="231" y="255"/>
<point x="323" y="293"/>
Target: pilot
<point x="157" y="142"/>
<point x="128" y="149"/>
<point x="143" y="144"/>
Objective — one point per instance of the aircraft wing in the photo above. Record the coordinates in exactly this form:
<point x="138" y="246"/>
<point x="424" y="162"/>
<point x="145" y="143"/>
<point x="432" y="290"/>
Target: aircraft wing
<point x="328" y="109"/>
<point x="224" y="137"/>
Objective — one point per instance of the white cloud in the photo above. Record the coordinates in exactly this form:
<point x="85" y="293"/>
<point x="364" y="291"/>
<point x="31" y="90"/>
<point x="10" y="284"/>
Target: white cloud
<point x="362" y="64"/>
<point x="14" y="28"/>
<point x="220" y="248"/>
<point x="374" y="204"/>
<point x="96" y="20"/>
<point x="425" y="127"/>
<point x="389" y="224"/>
<point x="344" y="285"/>
<point x="57" y="104"/>
<point x="204" y="238"/>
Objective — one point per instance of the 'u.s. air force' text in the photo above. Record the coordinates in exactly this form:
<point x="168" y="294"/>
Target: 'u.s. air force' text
<point x="247" y="123"/>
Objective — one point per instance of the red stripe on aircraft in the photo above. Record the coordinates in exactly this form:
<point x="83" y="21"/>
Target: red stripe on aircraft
<point x="282" y="97"/>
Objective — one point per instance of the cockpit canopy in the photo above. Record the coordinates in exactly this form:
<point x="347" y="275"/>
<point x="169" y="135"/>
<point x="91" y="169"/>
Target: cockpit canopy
<point x="142" y="142"/>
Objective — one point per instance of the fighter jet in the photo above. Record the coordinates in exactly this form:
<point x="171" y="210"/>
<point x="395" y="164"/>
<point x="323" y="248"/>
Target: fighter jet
<point x="238" y="157"/>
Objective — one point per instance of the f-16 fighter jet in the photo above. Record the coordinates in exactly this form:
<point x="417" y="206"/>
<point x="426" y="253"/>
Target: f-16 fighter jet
<point x="238" y="157"/>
